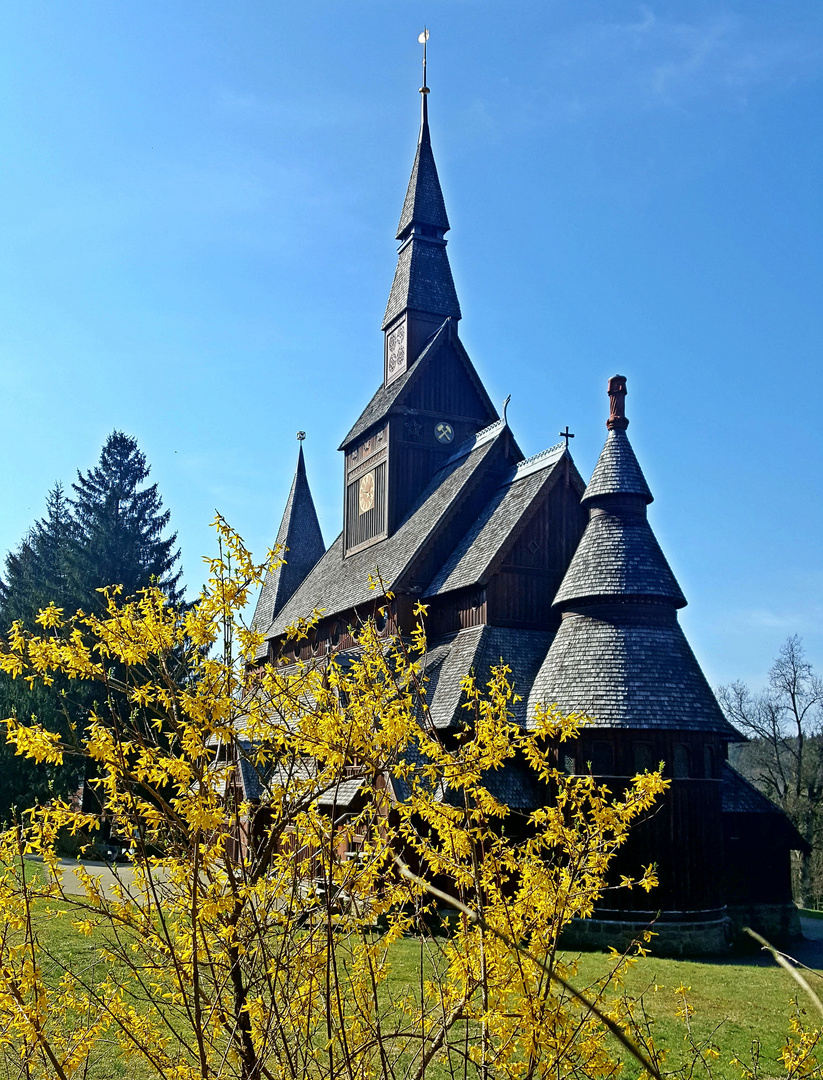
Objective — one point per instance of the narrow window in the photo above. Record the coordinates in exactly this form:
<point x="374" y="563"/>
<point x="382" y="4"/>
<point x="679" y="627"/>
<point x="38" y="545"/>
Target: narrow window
<point x="708" y="762"/>
<point x="602" y="758"/>
<point x="682" y="764"/>
<point x="643" y="758"/>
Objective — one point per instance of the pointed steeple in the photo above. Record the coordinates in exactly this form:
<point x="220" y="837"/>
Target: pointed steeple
<point x="620" y="655"/>
<point x="424" y="203"/>
<point x="422" y="294"/>
<point x="300" y="543"/>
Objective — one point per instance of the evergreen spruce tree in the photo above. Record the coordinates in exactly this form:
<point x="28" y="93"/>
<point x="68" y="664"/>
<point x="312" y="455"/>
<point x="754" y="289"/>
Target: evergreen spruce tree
<point x="119" y="524"/>
<point x="36" y="574"/>
<point x="110" y="533"/>
<point x="40" y="571"/>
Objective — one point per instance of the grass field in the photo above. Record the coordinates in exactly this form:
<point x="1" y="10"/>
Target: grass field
<point x="734" y="1003"/>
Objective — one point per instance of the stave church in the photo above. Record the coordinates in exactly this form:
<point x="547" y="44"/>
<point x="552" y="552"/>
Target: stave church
<point x="521" y="559"/>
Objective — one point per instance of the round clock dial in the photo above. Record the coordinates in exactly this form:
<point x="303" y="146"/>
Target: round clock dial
<point x="366" y="492"/>
<point x="443" y="432"/>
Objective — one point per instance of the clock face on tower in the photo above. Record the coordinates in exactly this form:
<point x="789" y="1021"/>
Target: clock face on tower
<point x="443" y="432"/>
<point x="366" y="492"/>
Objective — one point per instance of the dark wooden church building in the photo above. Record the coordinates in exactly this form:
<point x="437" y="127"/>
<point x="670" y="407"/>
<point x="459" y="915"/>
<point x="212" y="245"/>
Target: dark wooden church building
<point x="518" y="558"/>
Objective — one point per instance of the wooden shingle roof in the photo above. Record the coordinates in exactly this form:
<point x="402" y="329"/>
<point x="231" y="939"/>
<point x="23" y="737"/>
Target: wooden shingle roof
<point x="300" y="542"/>
<point x="338" y="584"/>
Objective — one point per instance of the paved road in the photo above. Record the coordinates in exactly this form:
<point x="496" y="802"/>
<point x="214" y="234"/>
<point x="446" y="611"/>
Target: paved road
<point x="108" y="873"/>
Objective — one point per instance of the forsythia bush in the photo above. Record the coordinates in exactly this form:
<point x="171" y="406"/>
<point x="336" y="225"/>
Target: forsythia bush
<point x="254" y="938"/>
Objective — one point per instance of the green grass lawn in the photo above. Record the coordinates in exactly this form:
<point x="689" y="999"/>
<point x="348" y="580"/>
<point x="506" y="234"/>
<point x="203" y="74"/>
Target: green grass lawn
<point x="734" y="1004"/>
<point x="737" y="1002"/>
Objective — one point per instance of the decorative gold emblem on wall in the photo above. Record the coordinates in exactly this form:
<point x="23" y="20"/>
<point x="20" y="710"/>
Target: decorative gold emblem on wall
<point x="366" y="492"/>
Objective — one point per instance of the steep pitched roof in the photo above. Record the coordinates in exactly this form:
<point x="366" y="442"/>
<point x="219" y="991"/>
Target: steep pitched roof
<point x="617" y="470"/>
<point x="742" y="797"/>
<point x="498" y="525"/>
<point x="422" y="281"/>
<point x="338" y="584"/>
<point x="475" y="651"/>
<point x="388" y="397"/>
<point x="424" y="203"/>
<point x="300" y="542"/>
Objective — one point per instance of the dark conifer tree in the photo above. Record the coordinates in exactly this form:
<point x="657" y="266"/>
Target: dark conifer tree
<point x="119" y="524"/>
<point x="36" y="574"/>
<point x="109" y="533"/>
<point x="40" y="571"/>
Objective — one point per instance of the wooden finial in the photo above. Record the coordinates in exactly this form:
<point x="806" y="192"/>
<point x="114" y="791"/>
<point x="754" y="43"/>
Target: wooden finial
<point x="617" y="398"/>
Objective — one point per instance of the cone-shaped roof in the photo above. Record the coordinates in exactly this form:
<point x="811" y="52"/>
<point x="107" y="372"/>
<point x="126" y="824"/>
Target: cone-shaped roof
<point x="628" y="670"/>
<point x="617" y="471"/>
<point x="619" y="557"/>
<point x="300" y="543"/>
<point x="620" y="655"/>
<point x="424" y="204"/>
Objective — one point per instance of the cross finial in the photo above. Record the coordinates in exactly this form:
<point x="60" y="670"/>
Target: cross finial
<point x="567" y="435"/>
<point x="301" y="436"/>
<point x="423" y="38"/>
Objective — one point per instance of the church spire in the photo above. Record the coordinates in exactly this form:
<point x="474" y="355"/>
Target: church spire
<point x="422" y="295"/>
<point x="300" y="544"/>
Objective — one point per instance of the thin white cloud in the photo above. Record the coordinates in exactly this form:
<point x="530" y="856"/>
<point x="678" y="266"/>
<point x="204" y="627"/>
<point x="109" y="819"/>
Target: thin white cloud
<point x="651" y="62"/>
<point x="789" y="622"/>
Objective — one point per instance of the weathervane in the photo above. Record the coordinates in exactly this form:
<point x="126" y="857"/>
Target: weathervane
<point x="301" y="436"/>
<point x="423" y="38"/>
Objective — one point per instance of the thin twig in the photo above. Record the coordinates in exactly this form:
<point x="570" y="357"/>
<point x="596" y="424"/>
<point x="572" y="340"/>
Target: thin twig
<point x="784" y="963"/>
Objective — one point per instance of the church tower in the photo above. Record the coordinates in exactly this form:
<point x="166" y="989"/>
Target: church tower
<point x="431" y="398"/>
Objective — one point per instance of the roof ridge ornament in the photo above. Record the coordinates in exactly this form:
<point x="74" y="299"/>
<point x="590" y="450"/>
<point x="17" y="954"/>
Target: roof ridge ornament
<point x="423" y="38"/>
<point x="617" y="398"/>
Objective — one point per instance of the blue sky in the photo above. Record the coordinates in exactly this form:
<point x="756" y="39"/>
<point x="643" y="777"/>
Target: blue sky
<point x="198" y="209"/>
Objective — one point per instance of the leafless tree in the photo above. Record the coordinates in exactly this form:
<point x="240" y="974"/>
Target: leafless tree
<point x="784" y="758"/>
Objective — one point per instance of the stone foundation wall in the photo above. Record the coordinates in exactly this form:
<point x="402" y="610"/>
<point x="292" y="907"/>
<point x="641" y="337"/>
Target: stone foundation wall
<point x="672" y="938"/>
<point x="776" y="922"/>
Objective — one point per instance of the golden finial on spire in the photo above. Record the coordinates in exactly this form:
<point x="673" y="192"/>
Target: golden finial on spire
<point x="423" y="38"/>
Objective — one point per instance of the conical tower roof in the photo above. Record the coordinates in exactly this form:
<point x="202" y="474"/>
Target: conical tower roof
<point x="300" y="543"/>
<point x="618" y="557"/>
<point x="617" y="470"/>
<point x="620" y="655"/>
